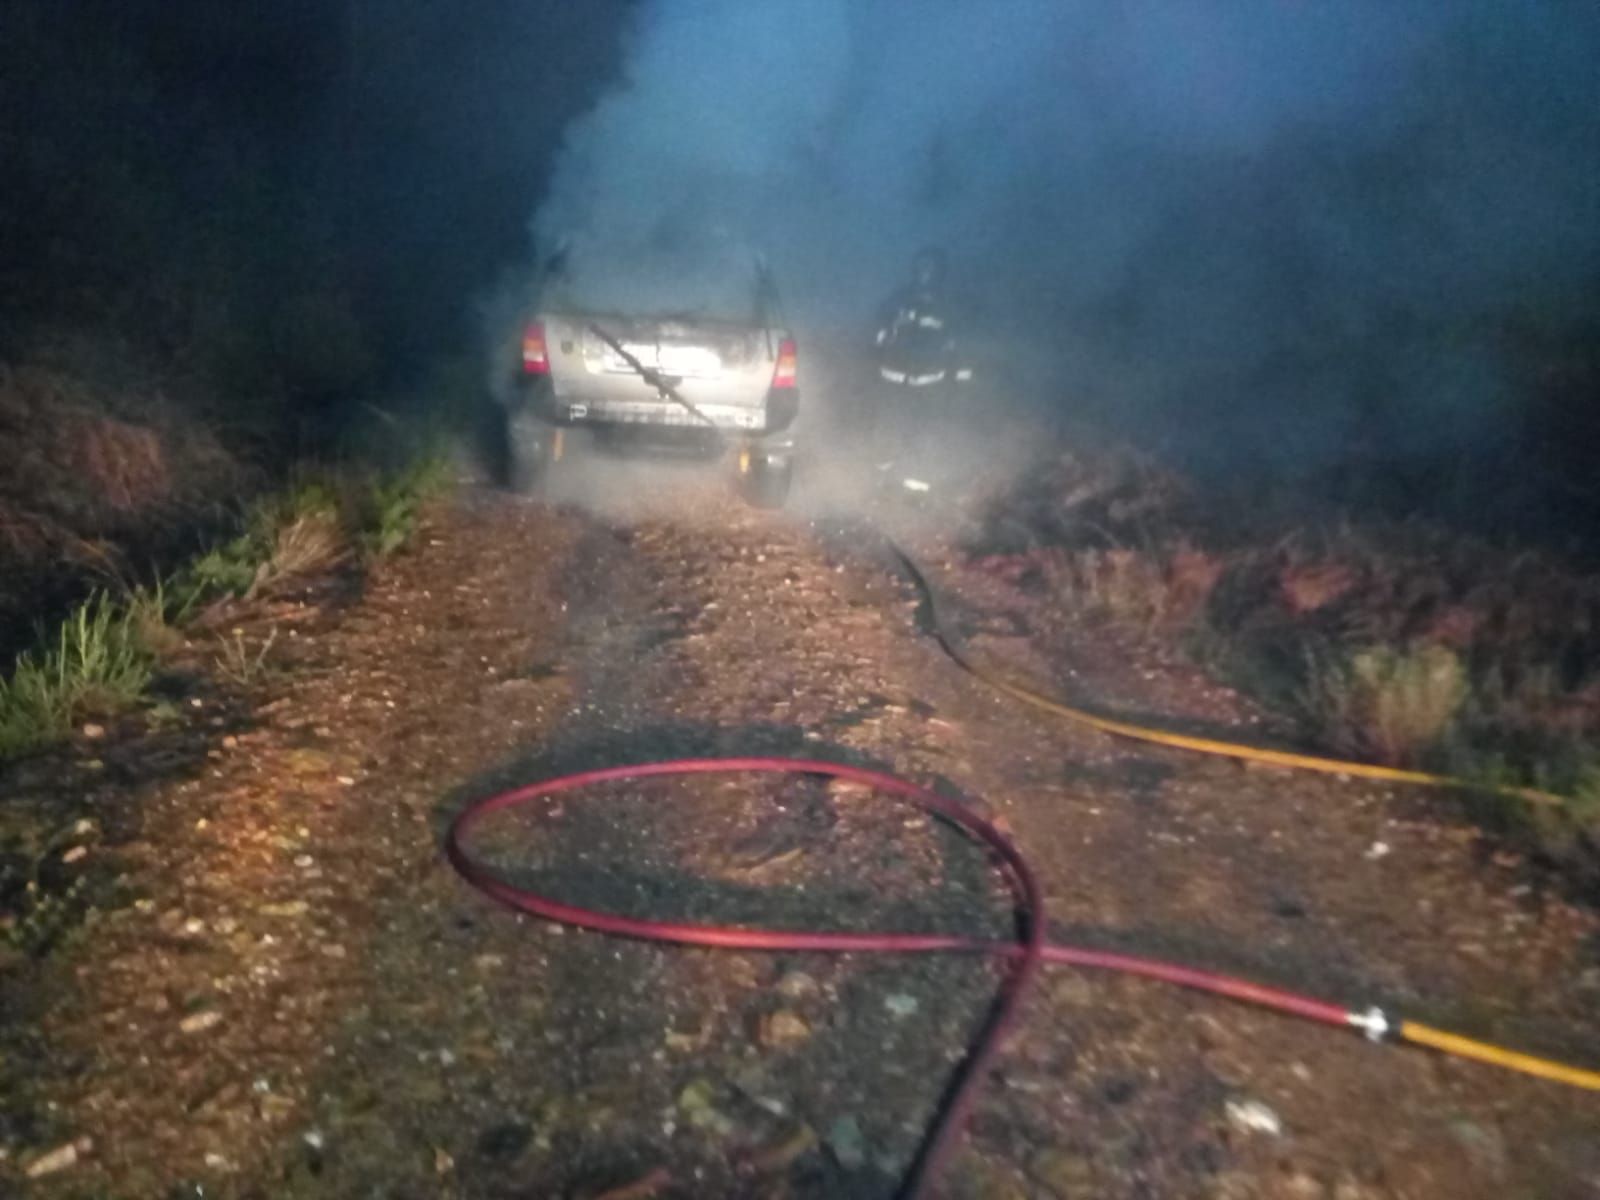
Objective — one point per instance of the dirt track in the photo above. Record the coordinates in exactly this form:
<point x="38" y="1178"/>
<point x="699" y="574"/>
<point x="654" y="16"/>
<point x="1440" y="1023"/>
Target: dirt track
<point x="300" y="1000"/>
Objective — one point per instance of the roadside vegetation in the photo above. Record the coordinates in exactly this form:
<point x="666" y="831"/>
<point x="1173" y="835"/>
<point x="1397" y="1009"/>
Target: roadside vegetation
<point x="1396" y="642"/>
<point x="101" y="660"/>
<point x="199" y="292"/>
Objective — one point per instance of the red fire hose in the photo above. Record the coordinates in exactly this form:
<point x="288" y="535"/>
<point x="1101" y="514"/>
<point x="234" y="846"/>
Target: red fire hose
<point x="1025" y="954"/>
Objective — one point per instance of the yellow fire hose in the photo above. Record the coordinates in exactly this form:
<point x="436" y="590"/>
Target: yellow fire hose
<point x="1409" y="1031"/>
<point x="1202" y="745"/>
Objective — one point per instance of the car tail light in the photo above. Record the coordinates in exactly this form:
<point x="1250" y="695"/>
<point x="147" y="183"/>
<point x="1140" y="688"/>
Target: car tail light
<point x="785" y="374"/>
<point x="535" y="352"/>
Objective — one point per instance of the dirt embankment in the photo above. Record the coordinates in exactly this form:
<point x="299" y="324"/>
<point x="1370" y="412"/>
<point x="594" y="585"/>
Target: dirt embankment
<point x="1400" y="643"/>
<point x="290" y="995"/>
<point x="93" y="496"/>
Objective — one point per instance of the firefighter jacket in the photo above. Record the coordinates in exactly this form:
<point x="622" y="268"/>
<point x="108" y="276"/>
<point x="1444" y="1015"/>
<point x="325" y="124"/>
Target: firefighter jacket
<point x="916" y="337"/>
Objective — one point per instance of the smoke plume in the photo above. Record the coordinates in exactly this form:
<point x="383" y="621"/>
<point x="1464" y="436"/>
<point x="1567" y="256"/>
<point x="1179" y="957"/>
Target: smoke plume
<point x="1264" y="226"/>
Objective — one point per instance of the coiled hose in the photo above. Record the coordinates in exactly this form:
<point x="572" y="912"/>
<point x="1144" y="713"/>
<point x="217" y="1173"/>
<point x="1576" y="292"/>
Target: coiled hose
<point x="1030" y="950"/>
<point x="1025" y="954"/>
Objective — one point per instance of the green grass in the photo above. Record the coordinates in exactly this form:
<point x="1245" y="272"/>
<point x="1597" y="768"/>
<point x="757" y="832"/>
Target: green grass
<point x="97" y="664"/>
<point x="1584" y="797"/>
<point x="314" y="523"/>
<point x="101" y="659"/>
<point x="1389" y="705"/>
<point x="228" y="569"/>
<point x="283" y="534"/>
<point x="394" y="503"/>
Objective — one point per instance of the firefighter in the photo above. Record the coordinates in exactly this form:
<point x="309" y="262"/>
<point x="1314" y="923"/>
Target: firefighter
<point x="915" y="337"/>
<point x="916" y="349"/>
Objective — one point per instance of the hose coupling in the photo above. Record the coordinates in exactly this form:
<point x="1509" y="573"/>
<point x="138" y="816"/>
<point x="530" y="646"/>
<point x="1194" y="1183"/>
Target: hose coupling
<point x="1373" y="1023"/>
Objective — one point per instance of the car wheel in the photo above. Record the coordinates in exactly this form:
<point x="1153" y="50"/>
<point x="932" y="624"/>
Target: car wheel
<point x="764" y="483"/>
<point x="533" y="447"/>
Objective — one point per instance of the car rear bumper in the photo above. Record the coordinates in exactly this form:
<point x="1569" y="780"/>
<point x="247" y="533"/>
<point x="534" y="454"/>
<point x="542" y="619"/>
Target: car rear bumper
<point x="774" y="419"/>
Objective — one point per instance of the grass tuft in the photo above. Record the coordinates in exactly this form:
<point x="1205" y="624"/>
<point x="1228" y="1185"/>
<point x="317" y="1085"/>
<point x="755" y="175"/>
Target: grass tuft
<point x="1396" y="707"/>
<point x="308" y="543"/>
<point x="101" y="659"/>
<point x="1399" y="642"/>
<point x="391" y="505"/>
<point x="242" y="665"/>
<point x="98" y="664"/>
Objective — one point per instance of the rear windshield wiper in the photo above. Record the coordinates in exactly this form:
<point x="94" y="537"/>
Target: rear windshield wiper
<point x="665" y="385"/>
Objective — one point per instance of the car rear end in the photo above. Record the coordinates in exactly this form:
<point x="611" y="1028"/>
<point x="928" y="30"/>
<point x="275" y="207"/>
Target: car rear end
<point x="693" y="377"/>
<point x="689" y="358"/>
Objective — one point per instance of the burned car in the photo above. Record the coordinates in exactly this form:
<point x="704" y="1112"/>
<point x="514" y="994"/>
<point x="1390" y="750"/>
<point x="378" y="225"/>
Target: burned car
<point x="675" y="349"/>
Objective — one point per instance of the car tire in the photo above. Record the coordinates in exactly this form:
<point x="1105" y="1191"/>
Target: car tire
<point x="532" y="450"/>
<point x="765" y="484"/>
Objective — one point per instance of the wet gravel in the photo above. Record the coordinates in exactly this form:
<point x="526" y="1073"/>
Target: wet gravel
<point x="286" y="993"/>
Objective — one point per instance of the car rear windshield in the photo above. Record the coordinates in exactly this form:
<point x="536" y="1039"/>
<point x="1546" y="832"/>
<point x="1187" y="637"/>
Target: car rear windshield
<point x="713" y="283"/>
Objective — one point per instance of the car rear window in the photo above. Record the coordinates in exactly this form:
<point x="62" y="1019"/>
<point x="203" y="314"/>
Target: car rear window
<point x="706" y="281"/>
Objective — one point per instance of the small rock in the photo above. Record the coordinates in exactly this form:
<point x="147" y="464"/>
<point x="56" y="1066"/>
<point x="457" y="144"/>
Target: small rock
<point x="1376" y="851"/>
<point x="94" y="732"/>
<point x="443" y="1164"/>
<point x="308" y="762"/>
<point x="201" y="1021"/>
<point x="58" y="1159"/>
<point x="797" y="985"/>
<point x="846" y="1144"/>
<point x="1252" y="1116"/>
<point x="74" y="854"/>
<point x="782" y="1028"/>
<point x="756" y="1086"/>
<point x="901" y="1004"/>
<point x="771" y="1105"/>
<point x="1072" y="988"/>
<point x="848" y="789"/>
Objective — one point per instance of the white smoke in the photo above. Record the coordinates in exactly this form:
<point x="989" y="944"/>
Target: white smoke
<point x="1259" y="206"/>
